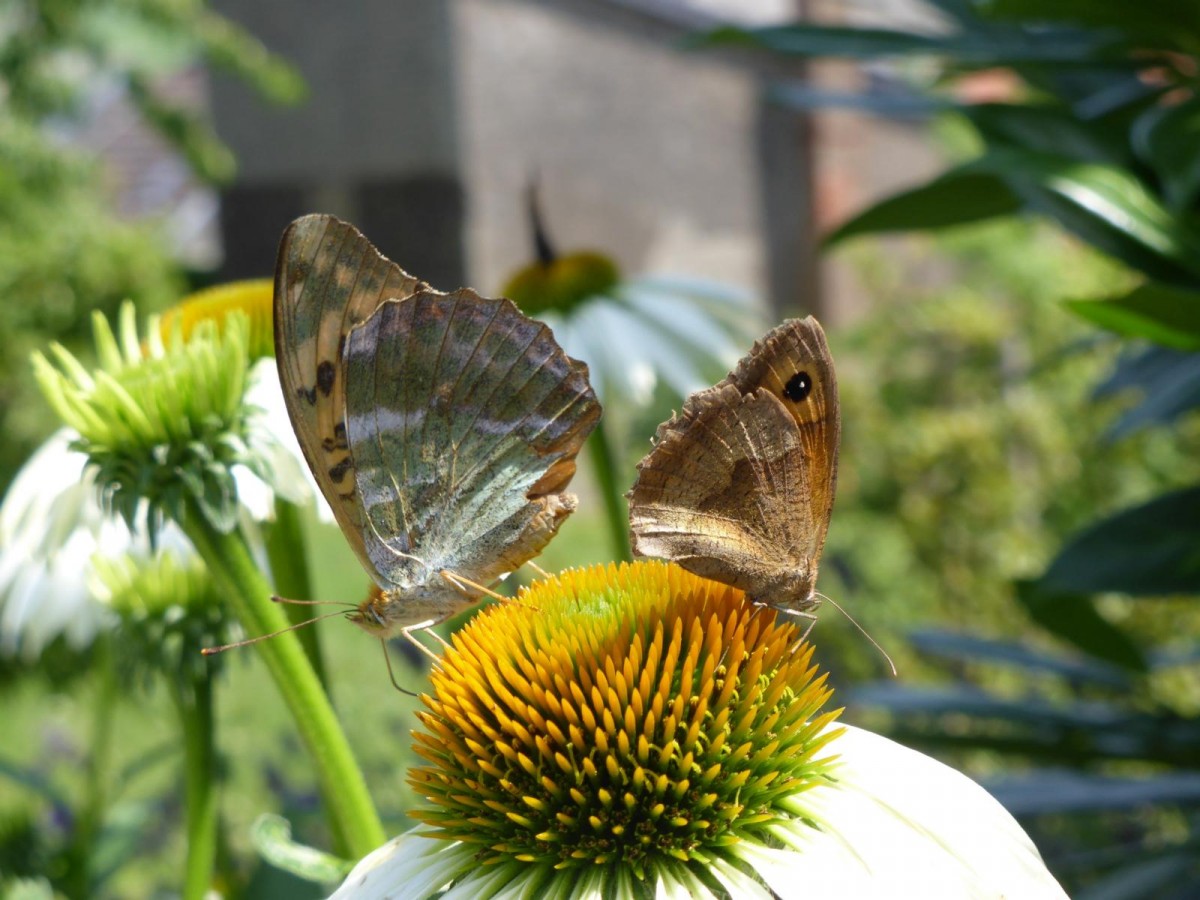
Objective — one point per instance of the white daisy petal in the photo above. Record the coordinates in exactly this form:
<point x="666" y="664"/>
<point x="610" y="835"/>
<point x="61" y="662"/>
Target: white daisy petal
<point x="899" y="823"/>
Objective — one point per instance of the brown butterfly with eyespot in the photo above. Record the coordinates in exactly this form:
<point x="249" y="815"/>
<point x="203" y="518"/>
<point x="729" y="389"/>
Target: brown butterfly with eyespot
<point x="740" y="484"/>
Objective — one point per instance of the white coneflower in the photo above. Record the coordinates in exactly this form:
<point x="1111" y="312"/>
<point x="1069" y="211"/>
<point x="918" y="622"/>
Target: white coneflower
<point x="52" y="520"/>
<point x="634" y="730"/>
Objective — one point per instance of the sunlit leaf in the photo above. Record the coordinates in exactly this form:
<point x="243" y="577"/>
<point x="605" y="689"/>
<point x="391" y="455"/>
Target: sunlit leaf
<point x="1155" y="312"/>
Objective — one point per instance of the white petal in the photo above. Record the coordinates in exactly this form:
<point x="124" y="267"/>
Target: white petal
<point x="898" y="823"/>
<point x="410" y="865"/>
<point x="274" y="439"/>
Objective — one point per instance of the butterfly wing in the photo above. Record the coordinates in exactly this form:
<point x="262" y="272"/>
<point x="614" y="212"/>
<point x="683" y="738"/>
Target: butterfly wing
<point x="791" y="355"/>
<point x="464" y="417"/>
<point x="722" y="492"/>
<point x="328" y="278"/>
<point x="739" y="485"/>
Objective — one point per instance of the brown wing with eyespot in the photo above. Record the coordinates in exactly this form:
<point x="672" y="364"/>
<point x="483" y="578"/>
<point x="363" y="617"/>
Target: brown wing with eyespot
<point x="740" y="485"/>
<point x="721" y="493"/>
<point x="793" y="363"/>
<point x="328" y="278"/>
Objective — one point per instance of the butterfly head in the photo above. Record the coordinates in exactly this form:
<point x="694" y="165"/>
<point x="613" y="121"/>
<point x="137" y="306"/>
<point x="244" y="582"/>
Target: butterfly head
<point x="386" y="613"/>
<point x="790" y="591"/>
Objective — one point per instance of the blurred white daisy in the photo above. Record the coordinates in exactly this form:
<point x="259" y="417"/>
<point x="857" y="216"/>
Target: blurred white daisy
<point x="53" y="524"/>
<point x="634" y="335"/>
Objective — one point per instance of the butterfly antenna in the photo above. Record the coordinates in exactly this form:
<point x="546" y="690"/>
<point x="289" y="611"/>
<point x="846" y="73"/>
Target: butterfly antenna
<point x="865" y="633"/>
<point x="275" y="598"/>
<point x="388" y="659"/>
<point x="210" y="651"/>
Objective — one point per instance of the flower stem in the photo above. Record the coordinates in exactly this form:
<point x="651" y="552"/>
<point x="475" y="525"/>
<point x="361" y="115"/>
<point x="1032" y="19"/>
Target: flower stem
<point x="350" y="809"/>
<point x="195" y="705"/>
<point x="285" y="552"/>
<point x="97" y="775"/>
<point x="615" y="509"/>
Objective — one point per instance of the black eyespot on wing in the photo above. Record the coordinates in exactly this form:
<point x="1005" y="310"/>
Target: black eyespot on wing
<point x="798" y="387"/>
<point x="325" y="375"/>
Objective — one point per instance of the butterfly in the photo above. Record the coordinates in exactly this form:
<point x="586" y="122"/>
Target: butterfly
<point x="740" y="484"/>
<point x="442" y="428"/>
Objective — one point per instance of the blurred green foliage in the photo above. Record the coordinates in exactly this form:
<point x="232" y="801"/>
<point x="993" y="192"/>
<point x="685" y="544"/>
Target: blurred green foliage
<point x="64" y="249"/>
<point x="971" y="448"/>
<point x="1097" y="132"/>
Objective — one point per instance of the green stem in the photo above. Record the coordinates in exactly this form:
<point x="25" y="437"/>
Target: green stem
<point x="615" y="508"/>
<point x="96" y="798"/>
<point x="350" y="809"/>
<point x="195" y="704"/>
<point x="285" y="553"/>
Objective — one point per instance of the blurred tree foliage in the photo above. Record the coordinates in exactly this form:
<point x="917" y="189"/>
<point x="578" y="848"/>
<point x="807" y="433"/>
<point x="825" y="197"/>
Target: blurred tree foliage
<point x="64" y="250"/>
<point x="971" y="449"/>
<point x="1098" y="133"/>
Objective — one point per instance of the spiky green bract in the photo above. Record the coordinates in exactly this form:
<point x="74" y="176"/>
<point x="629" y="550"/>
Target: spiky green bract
<point x="163" y="422"/>
<point x="621" y="727"/>
<point x="168" y="610"/>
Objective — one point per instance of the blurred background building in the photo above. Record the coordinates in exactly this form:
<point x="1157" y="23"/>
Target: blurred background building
<point x="426" y="121"/>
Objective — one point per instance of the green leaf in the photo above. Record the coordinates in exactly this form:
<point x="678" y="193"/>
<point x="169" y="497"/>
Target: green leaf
<point x="1166" y="138"/>
<point x="1049" y="129"/>
<point x="1073" y="618"/>
<point x="1168" y="379"/>
<point x="976" y="48"/>
<point x="1020" y="655"/>
<point x="1165" y="315"/>
<point x="955" y="198"/>
<point x="1170" y="23"/>
<point x="1149" y="550"/>
<point x="1056" y="791"/>
<point x="1105" y="205"/>
<point x="272" y="836"/>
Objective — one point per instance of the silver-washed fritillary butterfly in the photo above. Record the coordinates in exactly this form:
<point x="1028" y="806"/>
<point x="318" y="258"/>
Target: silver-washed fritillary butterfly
<point x="441" y="428"/>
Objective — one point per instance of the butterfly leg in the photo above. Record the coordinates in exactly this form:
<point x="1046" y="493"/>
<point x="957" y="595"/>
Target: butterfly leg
<point x="801" y="614"/>
<point x="541" y="573"/>
<point x="457" y="581"/>
<point x="392" y="675"/>
<point x="463" y="583"/>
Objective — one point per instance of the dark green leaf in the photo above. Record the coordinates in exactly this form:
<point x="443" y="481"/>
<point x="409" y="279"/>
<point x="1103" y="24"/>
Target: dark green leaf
<point x="1082" y="731"/>
<point x="1149" y="550"/>
<point x="1158" y="871"/>
<point x="1058" y="791"/>
<point x="973" y="648"/>
<point x="1169" y="381"/>
<point x="1073" y="618"/>
<point x="995" y="46"/>
<point x="1166" y="138"/>
<point x="895" y="104"/>
<point x="1105" y="205"/>
<point x="1155" y="312"/>
<point x="1166" y="23"/>
<point x="1049" y="129"/>
<point x="955" y="198"/>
